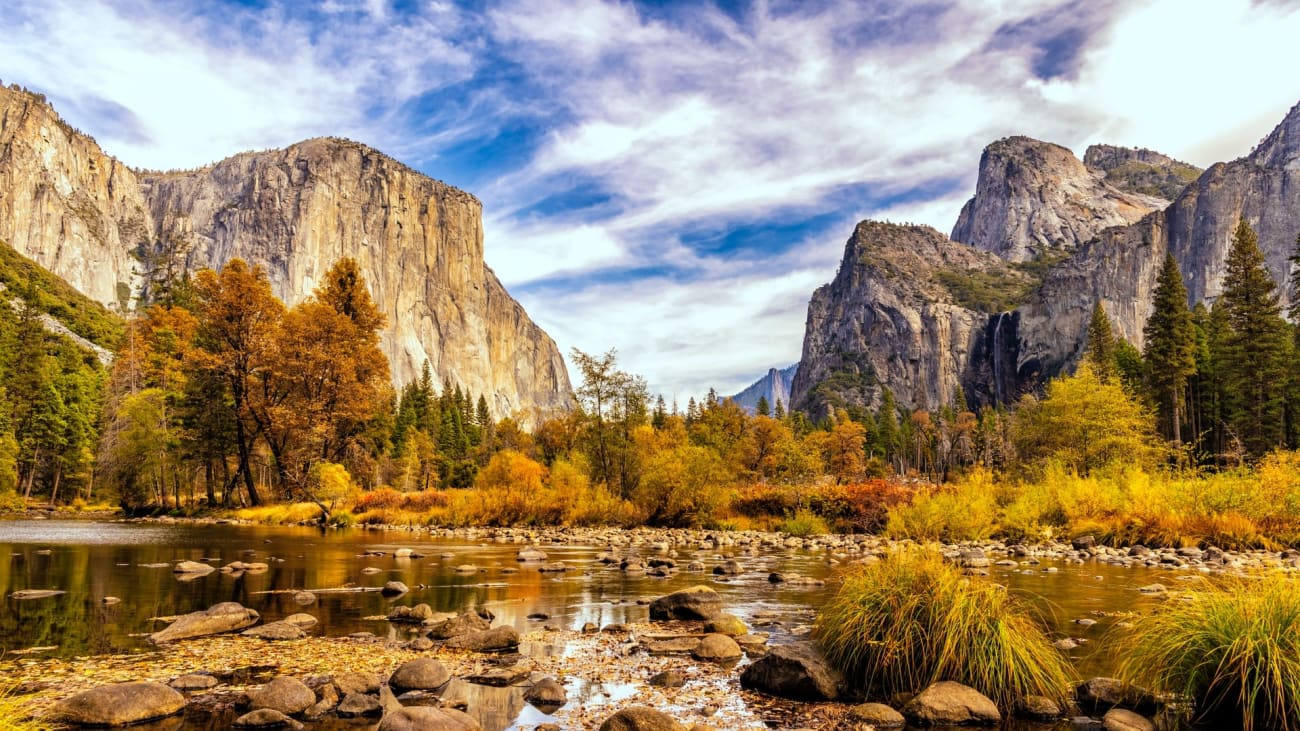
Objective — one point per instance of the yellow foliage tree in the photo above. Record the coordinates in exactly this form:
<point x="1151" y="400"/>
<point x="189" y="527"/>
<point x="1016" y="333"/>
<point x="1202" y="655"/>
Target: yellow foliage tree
<point x="1084" y="423"/>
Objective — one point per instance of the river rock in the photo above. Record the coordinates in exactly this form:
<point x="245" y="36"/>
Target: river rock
<point x="275" y="631"/>
<point x="403" y="553"/>
<point x="192" y="567"/>
<point x="304" y="598"/>
<point x="697" y="602"/>
<point x="504" y="637"/>
<point x="753" y="645"/>
<point x="359" y="704"/>
<point x="301" y="620"/>
<point x="428" y="718"/>
<point x="730" y="567"/>
<point x="265" y="718"/>
<point x="1038" y="708"/>
<point x="194" y="681"/>
<point x="876" y="715"/>
<point x="36" y="593"/>
<point x="394" y="588"/>
<point x="547" y="693"/>
<point x="219" y="618"/>
<point x="426" y="673"/>
<point x="119" y="704"/>
<point x="726" y="624"/>
<point x="640" y="718"/>
<point x="462" y="624"/>
<point x="530" y="554"/>
<point x="797" y="671"/>
<point x="682" y="645"/>
<point x="347" y="683"/>
<point x="668" y="679"/>
<point x="284" y="694"/>
<point x="1098" y="695"/>
<point x="952" y="704"/>
<point x="1120" y="719"/>
<point x="717" y="648"/>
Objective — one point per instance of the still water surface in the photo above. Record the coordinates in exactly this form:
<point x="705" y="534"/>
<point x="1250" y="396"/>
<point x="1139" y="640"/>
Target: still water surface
<point x="92" y="560"/>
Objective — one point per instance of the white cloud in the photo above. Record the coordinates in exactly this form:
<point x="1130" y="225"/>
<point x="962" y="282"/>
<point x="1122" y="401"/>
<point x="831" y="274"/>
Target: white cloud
<point x="202" y="90"/>
<point x="686" y="119"/>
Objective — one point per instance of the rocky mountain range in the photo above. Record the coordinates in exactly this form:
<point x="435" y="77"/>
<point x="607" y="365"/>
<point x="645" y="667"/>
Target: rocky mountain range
<point x="1004" y="303"/>
<point x="105" y="227"/>
<point x="775" y="387"/>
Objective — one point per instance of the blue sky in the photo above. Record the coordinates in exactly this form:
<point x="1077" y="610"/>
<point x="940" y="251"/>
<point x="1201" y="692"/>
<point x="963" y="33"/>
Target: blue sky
<point x="670" y="179"/>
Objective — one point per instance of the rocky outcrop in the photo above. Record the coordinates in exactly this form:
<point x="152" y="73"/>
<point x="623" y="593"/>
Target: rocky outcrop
<point x="93" y="221"/>
<point x="64" y="203"/>
<point x="1034" y="198"/>
<point x="1141" y="171"/>
<point x="921" y="315"/>
<point x="775" y="387"/>
<point x="1119" y="268"/>
<point x="910" y="310"/>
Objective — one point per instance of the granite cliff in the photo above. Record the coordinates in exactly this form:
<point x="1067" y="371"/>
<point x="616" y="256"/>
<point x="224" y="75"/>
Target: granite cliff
<point x="92" y="220"/>
<point x="1081" y="233"/>
<point x="909" y="309"/>
<point x="1035" y="198"/>
<point x="775" y="387"/>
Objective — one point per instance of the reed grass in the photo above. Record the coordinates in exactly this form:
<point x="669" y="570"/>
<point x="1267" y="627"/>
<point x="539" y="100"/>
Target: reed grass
<point x="1232" y="648"/>
<point x="15" y="712"/>
<point x="910" y="620"/>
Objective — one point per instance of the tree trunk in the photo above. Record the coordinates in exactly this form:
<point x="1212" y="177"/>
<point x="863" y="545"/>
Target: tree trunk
<point x="54" y="491"/>
<point x="207" y="482"/>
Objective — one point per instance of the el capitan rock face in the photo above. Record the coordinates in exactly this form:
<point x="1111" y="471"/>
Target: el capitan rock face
<point x="293" y="211"/>
<point x="1033" y="198"/>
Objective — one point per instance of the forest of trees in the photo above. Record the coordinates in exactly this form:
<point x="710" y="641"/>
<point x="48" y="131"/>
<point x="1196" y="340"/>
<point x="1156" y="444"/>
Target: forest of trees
<point x="220" y="395"/>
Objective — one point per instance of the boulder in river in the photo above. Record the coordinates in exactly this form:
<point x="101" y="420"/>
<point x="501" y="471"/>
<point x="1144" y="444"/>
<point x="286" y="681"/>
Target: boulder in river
<point x="194" y="681"/>
<point x="356" y="682"/>
<point x="697" y="602"/>
<point x="1120" y="719"/>
<point x="496" y="639"/>
<point x="641" y="718"/>
<point x="428" y="718"/>
<point x="546" y="693"/>
<point x="717" y="648"/>
<point x="952" y="704"/>
<point x="426" y="673"/>
<point x="462" y="624"/>
<point x="275" y="631"/>
<point x="1098" y="695"/>
<point x="219" y="618"/>
<point x="726" y="624"/>
<point x="284" y="694"/>
<point x="355" y="705"/>
<point x="876" y="715"/>
<point x="36" y="593"/>
<point x="119" y="704"/>
<point x="798" y="671"/>
<point x="531" y="554"/>
<point x="266" y="718"/>
<point x="192" y="567"/>
<point x="394" y="588"/>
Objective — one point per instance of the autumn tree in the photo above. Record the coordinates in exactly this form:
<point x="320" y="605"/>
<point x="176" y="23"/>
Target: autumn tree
<point x="1084" y="423"/>
<point x="235" y="344"/>
<point x="1170" y="349"/>
<point x="613" y="403"/>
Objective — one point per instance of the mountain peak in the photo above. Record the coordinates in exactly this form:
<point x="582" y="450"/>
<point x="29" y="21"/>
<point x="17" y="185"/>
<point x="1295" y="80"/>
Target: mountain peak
<point x="1281" y="148"/>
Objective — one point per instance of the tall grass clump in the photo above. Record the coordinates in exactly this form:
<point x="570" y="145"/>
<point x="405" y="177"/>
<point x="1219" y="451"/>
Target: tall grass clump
<point x="911" y="619"/>
<point x="1232" y="648"/>
<point x="15" y="713"/>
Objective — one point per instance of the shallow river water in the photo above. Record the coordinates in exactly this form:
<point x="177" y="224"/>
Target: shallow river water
<point x="131" y="561"/>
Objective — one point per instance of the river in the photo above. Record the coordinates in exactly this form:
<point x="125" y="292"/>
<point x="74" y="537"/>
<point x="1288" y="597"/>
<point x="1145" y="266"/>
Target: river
<point x="91" y="560"/>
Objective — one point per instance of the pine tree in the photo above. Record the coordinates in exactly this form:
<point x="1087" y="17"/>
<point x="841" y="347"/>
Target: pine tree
<point x="763" y="409"/>
<point x="1256" y="347"/>
<point x="1170" y="351"/>
<point x="1099" y="351"/>
<point x="780" y="409"/>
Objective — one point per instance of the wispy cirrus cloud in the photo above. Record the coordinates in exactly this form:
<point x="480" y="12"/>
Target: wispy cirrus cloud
<point x="669" y="179"/>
